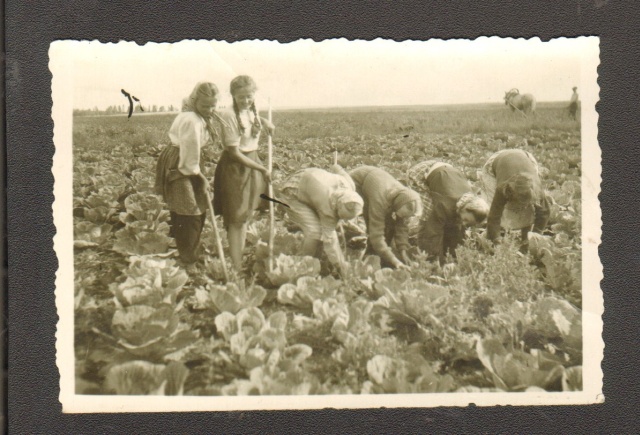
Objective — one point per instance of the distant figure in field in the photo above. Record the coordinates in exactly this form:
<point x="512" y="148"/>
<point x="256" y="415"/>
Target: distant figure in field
<point x="384" y="197"/>
<point x="179" y="178"/>
<point x="449" y="206"/>
<point x="510" y="182"/>
<point x="573" y="103"/>
<point x="318" y="199"/>
<point x="240" y="177"/>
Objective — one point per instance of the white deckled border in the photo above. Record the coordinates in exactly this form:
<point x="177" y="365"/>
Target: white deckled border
<point x="61" y="55"/>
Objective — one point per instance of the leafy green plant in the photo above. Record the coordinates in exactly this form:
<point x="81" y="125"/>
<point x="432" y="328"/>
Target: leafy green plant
<point x="252" y="337"/>
<point x="150" y="332"/>
<point x="281" y="374"/>
<point x="142" y="238"/>
<point x="516" y="370"/>
<point x="562" y="264"/>
<point x="233" y="297"/>
<point x="88" y="234"/>
<point x="287" y="269"/>
<point x="151" y="282"/>
<point x="143" y="377"/>
<point x="144" y="207"/>
<point x="390" y="375"/>
<point x="307" y="290"/>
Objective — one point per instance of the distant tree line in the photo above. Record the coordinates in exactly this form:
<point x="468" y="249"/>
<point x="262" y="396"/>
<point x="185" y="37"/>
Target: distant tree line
<point x="122" y="109"/>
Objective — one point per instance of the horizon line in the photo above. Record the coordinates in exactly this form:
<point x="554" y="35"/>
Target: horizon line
<point x="364" y="106"/>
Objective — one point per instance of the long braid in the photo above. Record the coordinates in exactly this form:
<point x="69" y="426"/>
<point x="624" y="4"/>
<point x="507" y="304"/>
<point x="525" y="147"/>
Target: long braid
<point x="236" y="110"/>
<point x="256" y="125"/>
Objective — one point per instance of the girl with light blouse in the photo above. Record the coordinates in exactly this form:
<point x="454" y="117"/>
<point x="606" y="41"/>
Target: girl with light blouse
<point x="179" y="177"/>
<point x="240" y="176"/>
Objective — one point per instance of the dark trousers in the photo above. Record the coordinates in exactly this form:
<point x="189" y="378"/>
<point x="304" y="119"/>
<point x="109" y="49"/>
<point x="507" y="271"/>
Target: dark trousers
<point x="573" y="109"/>
<point x="187" y="230"/>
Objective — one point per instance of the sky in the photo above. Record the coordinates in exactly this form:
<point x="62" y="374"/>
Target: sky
<point x="331" y="73"/>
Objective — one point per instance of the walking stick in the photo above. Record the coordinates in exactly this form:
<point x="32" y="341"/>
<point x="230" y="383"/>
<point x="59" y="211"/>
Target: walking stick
<point x="272" y="215"/>
<point x="215" y="229"/>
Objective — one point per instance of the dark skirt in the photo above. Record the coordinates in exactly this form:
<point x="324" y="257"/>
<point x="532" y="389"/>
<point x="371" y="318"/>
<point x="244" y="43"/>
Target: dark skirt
<point x="237" y="189"/>
<point x="184" y="194"/>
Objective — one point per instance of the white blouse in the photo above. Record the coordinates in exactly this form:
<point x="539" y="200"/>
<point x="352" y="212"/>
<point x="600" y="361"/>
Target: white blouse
<point x="189" y="133"/>
<point x="231" y="134"/>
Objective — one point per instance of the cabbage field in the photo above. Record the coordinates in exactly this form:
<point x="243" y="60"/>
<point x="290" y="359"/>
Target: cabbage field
<point x="497" y="321"/>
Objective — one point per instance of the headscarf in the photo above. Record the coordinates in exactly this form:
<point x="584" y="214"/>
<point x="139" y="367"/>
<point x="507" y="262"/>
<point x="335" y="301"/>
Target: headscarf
<point x="189" y="103"/>
<point x="474" y="204"/>
<point x="349" y="198"/>
<point x="464" y="200"/>
<point x="417" y="174"/>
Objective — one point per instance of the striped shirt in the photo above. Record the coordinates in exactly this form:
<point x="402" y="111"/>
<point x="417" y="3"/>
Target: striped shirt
<point x="310" y="193"/>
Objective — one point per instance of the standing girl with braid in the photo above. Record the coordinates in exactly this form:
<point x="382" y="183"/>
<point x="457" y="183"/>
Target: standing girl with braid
<point x="179" y="177"/>
<point x="240" y="177"/>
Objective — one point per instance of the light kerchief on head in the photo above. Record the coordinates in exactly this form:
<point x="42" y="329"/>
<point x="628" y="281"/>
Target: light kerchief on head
<point x="349" y="199"/>
<point x="464" y="200"/>
<point x="473" y="204"/>
<point x="417" y="174"/>
<point x="189" y="102"/>
<point x="200" y="89"/>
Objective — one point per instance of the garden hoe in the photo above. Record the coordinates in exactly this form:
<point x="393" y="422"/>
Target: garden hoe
<point x="215" y="229"/>
<point x="272" y="215"/>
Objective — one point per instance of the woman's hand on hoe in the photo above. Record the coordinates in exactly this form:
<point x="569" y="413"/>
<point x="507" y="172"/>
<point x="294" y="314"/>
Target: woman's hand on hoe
<point x="269" y="126"/>
<point x="267" y="175"/>
<point x="203" y="178"/>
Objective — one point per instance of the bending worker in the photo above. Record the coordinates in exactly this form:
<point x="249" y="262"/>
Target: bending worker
<point x="318" y="199"/>
<point x="451" y="205"/>
<point x="387" y="207"/>
<point x="510" y="182"/>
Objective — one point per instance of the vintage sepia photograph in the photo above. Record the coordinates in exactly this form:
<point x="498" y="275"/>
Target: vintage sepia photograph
<point x="343" y="224"/>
